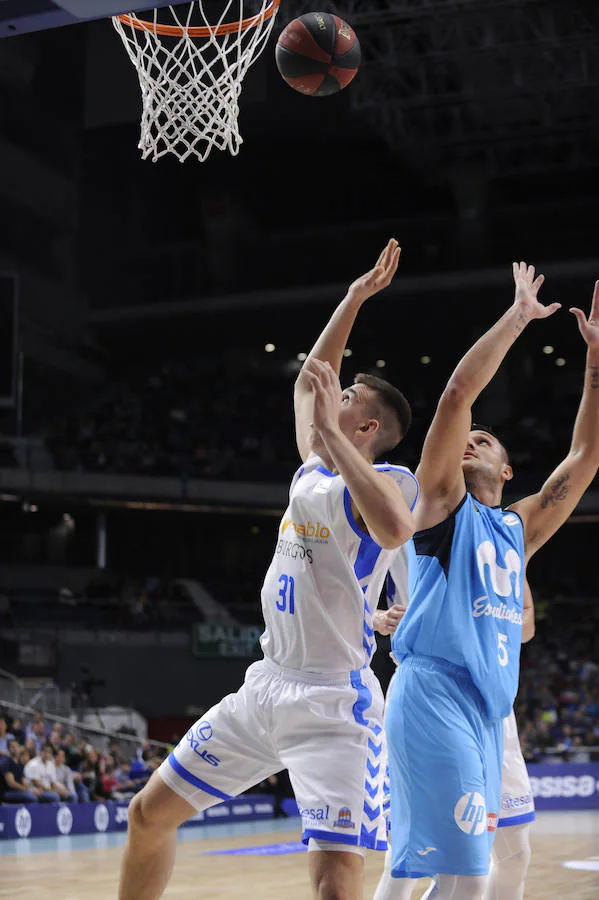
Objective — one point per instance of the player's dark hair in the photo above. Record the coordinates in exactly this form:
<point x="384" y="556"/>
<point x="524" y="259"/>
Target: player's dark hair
<point x="391" y="409"/>
<point x="488" y="430"/>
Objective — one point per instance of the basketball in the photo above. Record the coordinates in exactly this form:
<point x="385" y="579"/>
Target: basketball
<point x="318" y="54"/>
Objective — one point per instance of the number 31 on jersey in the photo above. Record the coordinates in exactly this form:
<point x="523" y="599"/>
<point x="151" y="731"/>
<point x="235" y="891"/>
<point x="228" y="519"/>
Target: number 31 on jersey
<point x="287" y="594"/>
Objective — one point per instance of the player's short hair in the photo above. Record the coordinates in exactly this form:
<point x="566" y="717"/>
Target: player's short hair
<point x="488" y="430"/>
<point x="391" y="409"/>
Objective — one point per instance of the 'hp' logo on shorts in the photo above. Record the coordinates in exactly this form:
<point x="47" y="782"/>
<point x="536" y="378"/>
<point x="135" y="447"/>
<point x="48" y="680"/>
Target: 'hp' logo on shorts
<point x="470" y="814"/>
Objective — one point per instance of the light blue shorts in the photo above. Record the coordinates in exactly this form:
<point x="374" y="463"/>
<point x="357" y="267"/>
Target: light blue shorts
<point x="445" y="760"/>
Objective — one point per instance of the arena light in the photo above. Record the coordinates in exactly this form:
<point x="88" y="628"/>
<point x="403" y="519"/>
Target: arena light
<point x="425" y="360"/>
<point x="302" y="356"/>
<point x="380" y="363"/>
<point x="270" y="348"/>
<point x="347" y="352"/>
<point x="560" y="361"/>
<point x="548" y="349"/>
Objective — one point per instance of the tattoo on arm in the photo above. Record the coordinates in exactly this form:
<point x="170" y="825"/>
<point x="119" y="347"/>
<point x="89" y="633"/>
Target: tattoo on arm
<point x="556" y="492"/>
<point x="521" y="323"/>
<point x="594" y="376"/>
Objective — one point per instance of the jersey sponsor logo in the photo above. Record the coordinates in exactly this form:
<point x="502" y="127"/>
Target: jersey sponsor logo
<point x="344" y="820"/>
<point x="482" y="607"/>
<point x="492" y="820"/>
<point x="314" y="531"/>
<point x="323" y="486"/>
<point x="425" y="851"/>
<point x="470" y="814"/>
<point x="564" y="786"/>
<point x="315" y="813"/>
<point x="501" y="576"/>
<point x="511" y="519"/>
<point x="294" y="550"/>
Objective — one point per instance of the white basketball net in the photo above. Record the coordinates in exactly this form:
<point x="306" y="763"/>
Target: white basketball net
<point x="190" y="84"/>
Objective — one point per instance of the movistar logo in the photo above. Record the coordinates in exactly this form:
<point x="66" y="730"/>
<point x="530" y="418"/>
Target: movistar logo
<point x="500" y="576"/>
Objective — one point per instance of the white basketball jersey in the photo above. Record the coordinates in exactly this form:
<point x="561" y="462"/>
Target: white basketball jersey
<point x="326" y="575"/>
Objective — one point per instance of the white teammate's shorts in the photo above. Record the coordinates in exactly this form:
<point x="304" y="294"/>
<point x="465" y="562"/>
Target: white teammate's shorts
<point x="327" y="731"/>
<point x="517" y="803"/>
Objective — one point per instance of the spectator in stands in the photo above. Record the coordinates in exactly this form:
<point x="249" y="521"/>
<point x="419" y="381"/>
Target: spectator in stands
<point x="126" y="785"/>
<point x="38" y="736"/>
<point x="65" y="780"/>
<point x="18" y="731"/>
<point x="115" y="751"/>
<point x="14" y="787"/>
<point x="110" y="783"/>
<point x="37" y="718"/>
<point x="90" y="772"/>
<point x="74" y="757"/>
<point x="55" y="740"/>
<point x="5" y="737"/>
<point x="41" y="772"/>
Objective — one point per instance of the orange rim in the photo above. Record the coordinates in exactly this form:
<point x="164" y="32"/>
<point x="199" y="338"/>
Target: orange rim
<point x="200" y="30"/>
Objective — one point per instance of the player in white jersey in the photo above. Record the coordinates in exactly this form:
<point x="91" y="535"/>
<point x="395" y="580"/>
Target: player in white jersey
<point x="511" y="852"/>
<point x="312" y="705"/>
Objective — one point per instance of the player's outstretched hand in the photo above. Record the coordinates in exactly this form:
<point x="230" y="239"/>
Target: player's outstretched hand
<point x="327" y="394"/>
<point x="378" y="278"/>
<point x="527" y="288"/>
<point x="386" y="621"/>
<point x="589" y="328"/>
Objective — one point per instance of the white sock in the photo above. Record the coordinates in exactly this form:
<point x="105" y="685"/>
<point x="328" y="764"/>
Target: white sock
<point x="457" y="887"/>
<point x="509" y="863"/>
<point x="390" y="888"/>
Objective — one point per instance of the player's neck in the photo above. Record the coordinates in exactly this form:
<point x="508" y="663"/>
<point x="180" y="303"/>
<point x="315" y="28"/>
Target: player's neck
<point x="487" y="493"/>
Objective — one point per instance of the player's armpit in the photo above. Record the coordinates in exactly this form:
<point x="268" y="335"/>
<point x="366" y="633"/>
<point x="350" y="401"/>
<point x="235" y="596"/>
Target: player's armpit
<point x="544" y="513"/>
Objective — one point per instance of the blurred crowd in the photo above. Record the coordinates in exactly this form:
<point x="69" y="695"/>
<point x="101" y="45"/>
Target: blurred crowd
<point x="180" y="421"/>
<point x="558" y="704"/>
<point x="43" y="763"/>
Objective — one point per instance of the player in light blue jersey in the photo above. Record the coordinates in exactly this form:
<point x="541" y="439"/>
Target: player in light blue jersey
<point x="459" y="641"/>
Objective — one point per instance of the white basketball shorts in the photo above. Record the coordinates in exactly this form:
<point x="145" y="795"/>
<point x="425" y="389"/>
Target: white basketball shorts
<point x="517" y="803"/>
<point x="327" y="731"/>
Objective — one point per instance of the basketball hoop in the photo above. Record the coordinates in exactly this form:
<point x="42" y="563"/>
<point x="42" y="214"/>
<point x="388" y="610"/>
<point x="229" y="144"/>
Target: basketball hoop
<point x="191" y="75"/>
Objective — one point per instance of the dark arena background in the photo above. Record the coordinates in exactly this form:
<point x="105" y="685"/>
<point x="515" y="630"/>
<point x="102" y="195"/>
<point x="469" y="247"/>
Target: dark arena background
<point x="153" y="319"/>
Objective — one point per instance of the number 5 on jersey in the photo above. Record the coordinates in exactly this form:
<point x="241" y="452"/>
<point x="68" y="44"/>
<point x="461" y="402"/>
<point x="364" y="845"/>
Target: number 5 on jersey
<point x="287" y="594"/>
<point x="502" y="649"/>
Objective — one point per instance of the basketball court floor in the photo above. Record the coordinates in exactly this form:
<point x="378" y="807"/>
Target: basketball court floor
<point x="266" y="860"/>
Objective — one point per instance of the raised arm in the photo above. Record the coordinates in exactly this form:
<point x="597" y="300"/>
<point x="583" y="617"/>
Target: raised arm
<point x="377" y="498"/>
<point x="543" y="513"/>
<point x="440" y="470"/>
<point x="330" y="345"/>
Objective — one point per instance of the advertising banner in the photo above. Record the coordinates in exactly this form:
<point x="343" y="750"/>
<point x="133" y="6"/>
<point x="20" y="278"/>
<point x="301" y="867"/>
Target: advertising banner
<point x="54" y="819"/>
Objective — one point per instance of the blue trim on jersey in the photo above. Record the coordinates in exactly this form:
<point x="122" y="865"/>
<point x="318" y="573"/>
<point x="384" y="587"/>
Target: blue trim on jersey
<point x="387" y="467"/>
<point x="197" y="782"/>
<point x="517" y="820"/>
<point x="350" y="516"/>
<point x="322" y="835"/>
<point x="325" y="472"/>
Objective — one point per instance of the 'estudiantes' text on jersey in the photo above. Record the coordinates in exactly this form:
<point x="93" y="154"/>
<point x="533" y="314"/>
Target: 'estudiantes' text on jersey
<point x="326" y="575"/>
<point x="466" y="599"/>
